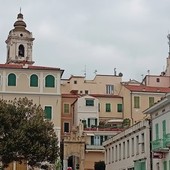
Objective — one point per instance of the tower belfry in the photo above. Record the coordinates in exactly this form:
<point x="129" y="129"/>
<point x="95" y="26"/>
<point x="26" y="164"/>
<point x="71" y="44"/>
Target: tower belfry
<point x="19" y="43"/>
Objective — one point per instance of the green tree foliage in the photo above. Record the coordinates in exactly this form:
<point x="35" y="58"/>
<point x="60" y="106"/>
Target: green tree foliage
<point x="99" y="165"/>
<point x="25" y="134"/>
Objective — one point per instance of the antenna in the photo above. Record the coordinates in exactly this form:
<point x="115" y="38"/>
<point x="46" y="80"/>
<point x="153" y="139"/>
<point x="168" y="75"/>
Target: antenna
<point x="85" y="71"/>
<point x="95" y="72"/>
<point x="20" y="10"/>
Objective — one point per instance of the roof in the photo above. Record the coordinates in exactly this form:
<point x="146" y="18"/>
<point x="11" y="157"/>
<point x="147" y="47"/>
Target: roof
<point x="143" y="88"/>
<point x="20" y="66"/>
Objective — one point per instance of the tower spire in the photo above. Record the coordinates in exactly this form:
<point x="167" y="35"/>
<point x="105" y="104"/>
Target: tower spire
<point x="168" y="36"/>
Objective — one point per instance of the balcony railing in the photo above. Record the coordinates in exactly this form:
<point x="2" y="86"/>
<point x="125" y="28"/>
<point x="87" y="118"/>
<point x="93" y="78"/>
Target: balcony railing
<point x="94" y="147"/>
<point x="167" y="140"/>
<point x="103" y="129"/>
<point x="159" y="146"/>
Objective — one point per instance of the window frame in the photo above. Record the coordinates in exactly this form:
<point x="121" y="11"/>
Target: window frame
<point x="51" y="112"/>
<point x="66" y="110"/>
<point x="64" y="123"/>
<point x="108" y="107"/>
<point x="34" y="80"/>
<point x="89" y="102"/>
<point x="136" y="102"/>
<point x="50" y="84"/>
<point x="10" y="82"/>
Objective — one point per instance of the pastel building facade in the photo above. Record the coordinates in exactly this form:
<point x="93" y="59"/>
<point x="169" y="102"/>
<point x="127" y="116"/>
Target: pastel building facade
<point x="160" y="118"/>
<point x="19" y="78"/>
<point x="129" y="149"/>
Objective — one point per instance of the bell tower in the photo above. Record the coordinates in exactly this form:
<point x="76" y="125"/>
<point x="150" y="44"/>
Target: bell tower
<point x="19" y="43"/>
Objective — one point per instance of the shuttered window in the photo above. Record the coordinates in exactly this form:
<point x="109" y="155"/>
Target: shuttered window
<point x="156" y="131"/>
<point x="11" y="79"/>
<point x="136" y="102"/>
<point x="48" y="112"/>
<point x="151" y="101"/>
<point x="34" y="80"/>
<point x="49" y="81"/>
<point x="108" y="107"/>
<point x="119" y="107"/>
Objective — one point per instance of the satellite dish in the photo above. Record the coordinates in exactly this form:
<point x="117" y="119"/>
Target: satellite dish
<point x="120" y="74"/>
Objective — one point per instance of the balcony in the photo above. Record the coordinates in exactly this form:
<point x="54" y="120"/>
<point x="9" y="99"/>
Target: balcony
<point x="167" y="140"/>
<point x="94" y="147"/>
<point x="159" y="146"/>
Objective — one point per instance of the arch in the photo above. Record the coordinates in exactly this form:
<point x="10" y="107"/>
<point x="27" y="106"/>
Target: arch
<point x="21" y="50"/>
<point x="50" y="81"/>
<point x="11" y="79"/>
<point x="34" y="80"/>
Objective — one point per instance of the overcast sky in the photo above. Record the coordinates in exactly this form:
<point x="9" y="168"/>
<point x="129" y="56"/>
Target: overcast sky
<point x="79" y="35"/>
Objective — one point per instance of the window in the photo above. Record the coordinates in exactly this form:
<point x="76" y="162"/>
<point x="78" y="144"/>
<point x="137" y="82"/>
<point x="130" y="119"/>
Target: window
<point x="11" y="79"/>
<point x="116" y="154"/>
<point x="48" y="112"/>
<point x="66" y="108"/>
<point x="34" y="80"/>
<point x="86" y="92"/>
<point x="132" y="145"/>
<point x="128" y="153"/>
<point x="120" y="151"/>
<point x="84" y="123"/>
<point x="109" y="89"/>
<point x="164" y="128"/>
<point x="92" y="122"/>
<point x="75" y="81"/>
<point x="21" y="51"/>
<point x="136" y="102"/>
<point x="112" y="154"/>
<point x="119" y="107"/>
<point x="89" y="102"/>
<point x="151" y="101"/>
<point x="123" y="150"/>
<point x="165" y="165"/>
<point x="49" y="81"/>
<point x="137" y="145"/>
<point x="142" y="142"/>
<point x="108" y="107"/>
<point x="157" y="80"/>
<point x="156" y="131"/>
<point x="66" y="127"/>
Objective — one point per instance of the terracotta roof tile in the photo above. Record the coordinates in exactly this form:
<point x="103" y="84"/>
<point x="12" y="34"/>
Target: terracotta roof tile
<point x="142" y="88"/>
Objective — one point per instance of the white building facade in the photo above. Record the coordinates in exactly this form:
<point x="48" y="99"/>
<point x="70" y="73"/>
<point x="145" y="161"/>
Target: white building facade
<point x="160" y="118"/>
<point x="130" y="149"/>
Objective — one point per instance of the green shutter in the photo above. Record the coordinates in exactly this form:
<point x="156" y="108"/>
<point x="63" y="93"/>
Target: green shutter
<point x="157" y="131"/>
<point x="165" y="165"/>
<point x="49" y="81"/>
<point x="119" y="107"/>
<point x="48" y="112"/>
<point x="169" y="165"/>
<point x="11" y="79"/>
<point x="108" y="107"/>
<point x="164" y="128"/>
<point x="34" y="80"/>
<point x="66" y="108"/>
<point x="136" y="102"/>
<point x="151" y="101"/>
<point x="143" y="165"/>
